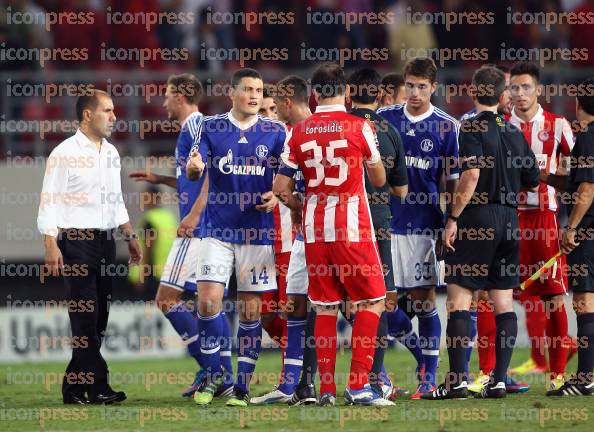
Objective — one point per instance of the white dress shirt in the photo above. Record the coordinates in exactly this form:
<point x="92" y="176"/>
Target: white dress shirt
<point x="82" y="187"/>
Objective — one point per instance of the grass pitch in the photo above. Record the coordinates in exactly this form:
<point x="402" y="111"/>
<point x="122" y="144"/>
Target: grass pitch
<point x="30" y="399"/>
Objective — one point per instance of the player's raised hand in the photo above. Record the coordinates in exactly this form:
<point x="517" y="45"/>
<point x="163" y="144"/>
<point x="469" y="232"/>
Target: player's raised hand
<point x="269" y="202"/>
<point x="195" y="162"/>
<point x="146" y="176"/>
<point x="449" y="235"/>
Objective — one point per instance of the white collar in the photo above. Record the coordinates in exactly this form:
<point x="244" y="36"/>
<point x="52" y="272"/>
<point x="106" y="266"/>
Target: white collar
<point x="537" y="116"/>
<point x="330" y="108"/>
<point x="84" y="140"/>
<point x="414" y="119"/>
<point x="236" y="123"/>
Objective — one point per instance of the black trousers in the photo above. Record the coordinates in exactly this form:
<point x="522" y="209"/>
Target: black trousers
<point x="87" y="255"/>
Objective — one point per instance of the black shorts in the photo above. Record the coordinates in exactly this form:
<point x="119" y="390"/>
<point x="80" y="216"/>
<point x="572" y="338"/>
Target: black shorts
<point x="384" y="244"/>
<point x="487" y="247"/>
<point x="581" y="264"/>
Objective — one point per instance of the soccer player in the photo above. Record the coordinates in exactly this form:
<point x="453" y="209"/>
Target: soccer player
<point x="393" y="89"/>
<point x="430" y="140"/>
<point x="577" y="242"/>
<point x="332" y="148"/>
<point x="550" y="138"/>
<point x="182" y="97"/>
<point x="292" y="105"/>
<point x="242" y="151"/>
<point x="268" y="107"/>
<point x="496" y="162"/>
<point x="365" y="94"/>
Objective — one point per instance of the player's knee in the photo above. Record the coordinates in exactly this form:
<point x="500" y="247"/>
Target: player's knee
<point x="166" y="298"/>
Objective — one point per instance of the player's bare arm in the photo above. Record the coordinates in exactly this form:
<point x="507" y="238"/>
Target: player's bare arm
<point x="399" y="191"/>
<point x="461" y="197"/>
<point x="376" y="173"/>
<point x="584" y="197"/>
<point x="195" y="166"/>
<point x="53" y="256"/>
<point x="283" y="188"/>
<point x="189" y="222"/>
<point x="153" y="178"/>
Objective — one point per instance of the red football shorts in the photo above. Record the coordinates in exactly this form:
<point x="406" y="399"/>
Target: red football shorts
<point x="341" y="270"/>
<point x="539" y="241"/>
<point x="273" y="301"/>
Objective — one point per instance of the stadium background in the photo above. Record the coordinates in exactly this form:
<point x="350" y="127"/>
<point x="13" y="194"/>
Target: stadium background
<point x="37" y="104"/>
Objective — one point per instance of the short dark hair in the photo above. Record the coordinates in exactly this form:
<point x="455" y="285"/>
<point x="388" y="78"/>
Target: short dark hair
<point x="391" y="82"/>
<point x="293" y="87"/>
<point x="489" y="84"/>
<point x="89" y="100"/>
<point x="187" y="85"/>
<point x="526" y="68"/>
<point x="364" y="85"/>
<point x="329" y="80"/>
<point x="585" y="97"/>
<point x="244" y="73"/>
<point x="503" y="68"/>
<point x="422" y="67"/>
<point x="268" y="91"/>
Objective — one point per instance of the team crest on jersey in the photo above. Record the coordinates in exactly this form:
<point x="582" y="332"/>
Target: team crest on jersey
<point x="426" y="145"/>
<point x="205" y="270"/>
<point x="543" y="135"/>
<point x="261" y="151"/>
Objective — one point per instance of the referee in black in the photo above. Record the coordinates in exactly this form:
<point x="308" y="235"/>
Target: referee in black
<point x="482" y="232"/>
<point x="577" y="240"/>
<point x="366" y="94"/>
<point x="81" y="206"/>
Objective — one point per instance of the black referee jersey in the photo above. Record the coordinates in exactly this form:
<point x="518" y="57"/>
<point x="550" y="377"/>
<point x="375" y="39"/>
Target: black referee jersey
<point x="487" y="247"/>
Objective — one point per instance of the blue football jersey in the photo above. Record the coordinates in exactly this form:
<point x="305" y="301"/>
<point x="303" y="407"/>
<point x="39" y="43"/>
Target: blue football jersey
<point x="430" y="144"/>
<point x="241" y="166"/>
<point x="187" y="191"/>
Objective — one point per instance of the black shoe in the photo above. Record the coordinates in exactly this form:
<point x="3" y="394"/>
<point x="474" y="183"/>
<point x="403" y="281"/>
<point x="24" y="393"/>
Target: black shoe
<point x="573" y="388"/>
<point x="492" y="391"/>
<point x="75" y="399"/>
<point x="443" y="393"/>
<point x="304" y="395"/>
<point x="107" y="397"/>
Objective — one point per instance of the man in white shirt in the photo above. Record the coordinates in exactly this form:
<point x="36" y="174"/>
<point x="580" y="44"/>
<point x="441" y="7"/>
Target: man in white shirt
<point x="81" y="205"/>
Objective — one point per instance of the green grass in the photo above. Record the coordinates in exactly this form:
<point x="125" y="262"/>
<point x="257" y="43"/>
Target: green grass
<point x="158" y="406"/>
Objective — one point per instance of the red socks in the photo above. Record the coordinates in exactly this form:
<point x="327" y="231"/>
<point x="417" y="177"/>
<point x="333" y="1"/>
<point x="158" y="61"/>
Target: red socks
<point x="277" y="330"/>
<point x="486" y="331"/>
<point x="558" y="342"/>
<point x="536" y="323"/>
<point x="325" y="337"/>
<point x="363" y="348"/>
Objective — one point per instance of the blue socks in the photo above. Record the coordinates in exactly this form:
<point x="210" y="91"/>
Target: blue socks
<point x="186" y="325"/>
<point x="210" y="342"/>
<point x="400" y="327"/>
<point x="293" y="361"/>
<point x="226" y="345"/>
<point x="249" y="340"/>
<point x="429" y="337"/>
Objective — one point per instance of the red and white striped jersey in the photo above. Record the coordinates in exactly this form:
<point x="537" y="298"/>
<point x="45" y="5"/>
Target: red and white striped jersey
<point x="283" y="226"/>
<point x="330" y="147"/>
<point x="550" y="137"/>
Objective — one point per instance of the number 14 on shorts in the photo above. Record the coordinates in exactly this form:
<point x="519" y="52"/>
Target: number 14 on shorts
<point x="262" y="277"/>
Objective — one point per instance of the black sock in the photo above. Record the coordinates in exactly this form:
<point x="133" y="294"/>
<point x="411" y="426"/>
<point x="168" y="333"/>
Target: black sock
<point x="405" y="303"/>
<point x="380" y="349"/>
<point x="585" y="335"/>
<point x="505" y="340"/>
<point x="457" y="340"/>
<point x="310" y="361"/>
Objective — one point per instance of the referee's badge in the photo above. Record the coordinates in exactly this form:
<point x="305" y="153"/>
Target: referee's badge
<point x="426" y="145"/>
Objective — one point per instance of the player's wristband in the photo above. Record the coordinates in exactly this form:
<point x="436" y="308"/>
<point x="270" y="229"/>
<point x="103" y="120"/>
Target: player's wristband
<point x="568" y="228"/>
<point x="454" y="218"/>
<point x="132" y="236"/>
